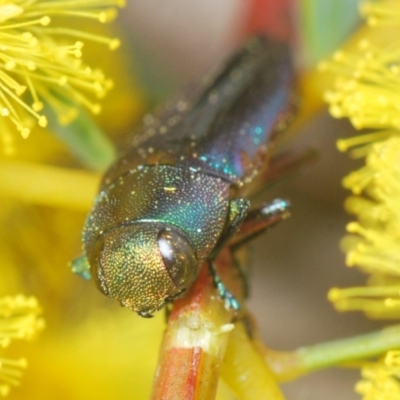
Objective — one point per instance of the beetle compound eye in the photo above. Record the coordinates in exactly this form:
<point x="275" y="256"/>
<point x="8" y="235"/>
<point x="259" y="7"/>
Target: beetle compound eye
<point x="178" y="256"/>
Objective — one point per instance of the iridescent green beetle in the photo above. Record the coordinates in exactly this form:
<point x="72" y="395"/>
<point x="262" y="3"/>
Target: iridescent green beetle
<point x="174" y="198"/>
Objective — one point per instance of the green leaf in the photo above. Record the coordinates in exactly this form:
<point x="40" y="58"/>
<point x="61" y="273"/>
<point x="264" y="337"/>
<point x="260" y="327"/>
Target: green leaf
<point x="324" y="25"/>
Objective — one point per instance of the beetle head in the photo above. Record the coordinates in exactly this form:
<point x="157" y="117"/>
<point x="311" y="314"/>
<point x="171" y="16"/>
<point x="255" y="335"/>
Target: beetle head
<point x="143" y="265"/>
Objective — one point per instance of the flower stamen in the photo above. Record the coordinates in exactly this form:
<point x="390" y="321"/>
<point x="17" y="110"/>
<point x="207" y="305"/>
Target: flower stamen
<point x="35" y="54"/>
<point x="380" y="380"/>
<point x="19" y="319"/>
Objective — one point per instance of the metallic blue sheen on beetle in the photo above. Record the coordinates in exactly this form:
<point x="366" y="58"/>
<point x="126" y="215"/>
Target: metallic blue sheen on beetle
<point x="174" y="197"/>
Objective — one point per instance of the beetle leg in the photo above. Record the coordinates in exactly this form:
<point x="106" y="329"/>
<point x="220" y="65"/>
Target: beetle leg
<point x="237" y="213"/>
<point x="230" y="300"/>
<point x="259" y="219"/>
<point x="80" y="266"/>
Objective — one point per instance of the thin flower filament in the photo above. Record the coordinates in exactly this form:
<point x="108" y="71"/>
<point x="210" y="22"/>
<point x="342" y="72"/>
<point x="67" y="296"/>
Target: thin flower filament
<point x="19" y="320"/>
<point x="41" y="55"/>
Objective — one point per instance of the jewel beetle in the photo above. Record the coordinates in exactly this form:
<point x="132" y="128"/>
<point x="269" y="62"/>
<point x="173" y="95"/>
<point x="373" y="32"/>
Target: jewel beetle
<point x="176" y="194"/>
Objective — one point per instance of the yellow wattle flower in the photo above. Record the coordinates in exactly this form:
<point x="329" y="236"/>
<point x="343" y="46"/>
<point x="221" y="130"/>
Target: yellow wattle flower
<point x="43" y="206"/>
<point x="377" y="248"/>
<point x="380" y="380"/>
<point x="40" y="62"/>
<point x="19" y="320"/>
<point x="366" y="92"/>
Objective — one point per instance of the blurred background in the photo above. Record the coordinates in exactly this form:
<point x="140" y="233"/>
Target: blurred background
<point x="90" y="344"/>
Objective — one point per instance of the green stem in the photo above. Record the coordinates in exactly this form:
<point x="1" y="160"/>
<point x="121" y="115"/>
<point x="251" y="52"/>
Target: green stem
<point x="354" y="348"/>
<point x="312" y="358"/>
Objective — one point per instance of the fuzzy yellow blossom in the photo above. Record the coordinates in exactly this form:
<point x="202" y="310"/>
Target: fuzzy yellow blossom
<point x="377" y="248"/>
<point x="380" y="380"/>
<point x="41" y="62"/>
<point x="367" y="93"/>
<point x="19" y="320"/>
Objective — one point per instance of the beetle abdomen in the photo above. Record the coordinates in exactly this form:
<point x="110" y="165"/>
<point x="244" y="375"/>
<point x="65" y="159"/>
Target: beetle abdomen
<point x="225" y="131"/>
